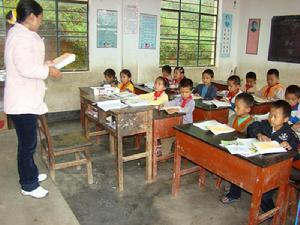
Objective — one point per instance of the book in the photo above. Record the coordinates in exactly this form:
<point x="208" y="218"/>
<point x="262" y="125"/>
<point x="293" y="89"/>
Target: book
<point x="172" y="109"/>
<point x="220" y="129"/>
<point x="241" y="146"/>
<point x="135" y="102"/>
<point x="269" y="147"/>
<point x="111" y="104"/>
<point x="125" y="95"/>
<point x="203" y="125"/>
<point x="217" y="103"/>
<point x="64" y="60"/>
<point x="260" y="100"/>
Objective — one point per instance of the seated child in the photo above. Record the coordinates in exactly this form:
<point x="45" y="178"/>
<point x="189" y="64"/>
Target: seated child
<point x="166" y="71"/>
<point x="274" y="90"/>
<point x="159" y="96"/>
<point x="177" y="77"/>
<point x="275" y="128"/>
<point x="206" y="90"/>
<point x="250" y="86"/>
<point x="234" y="85"/>
<point x="292" y="96"/>
<point x="185" y="101"/>
<point x="110" y="78"/>
<point x="241" y="119"/>
<point x="126" y="83"/>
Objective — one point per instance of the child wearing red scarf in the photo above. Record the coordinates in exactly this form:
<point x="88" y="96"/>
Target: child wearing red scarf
<point x="126" y="83"/>
<point x="185" y="101"/>
<point x="234" y="85"/>
<point x="177" y="77"/>
<point x="250" y="86"/>
<point x="159" y="96"/>
<point x="292" y="96"/>
<point x="273" y="90"/>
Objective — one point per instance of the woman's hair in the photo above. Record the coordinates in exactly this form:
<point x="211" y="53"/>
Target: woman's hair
<point x="26" y="7"/>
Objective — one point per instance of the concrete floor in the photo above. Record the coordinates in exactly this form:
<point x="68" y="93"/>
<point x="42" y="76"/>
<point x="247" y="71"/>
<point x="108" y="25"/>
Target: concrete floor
<point x="100" y="203"/>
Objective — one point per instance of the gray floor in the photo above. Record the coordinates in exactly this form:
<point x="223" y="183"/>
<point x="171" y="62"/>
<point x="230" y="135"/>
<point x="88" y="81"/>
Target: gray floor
<point x="101" y="204"/>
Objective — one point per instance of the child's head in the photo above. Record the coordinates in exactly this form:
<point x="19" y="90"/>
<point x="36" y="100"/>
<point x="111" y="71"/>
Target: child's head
<point x="185" y="88"/>
<point x="292" y="95"/>
<point x="160" y="84"/>
<point x="250" y="78"/>
<point x="272" y="77"/>
<point x="166" y="70"/>
<point x="234" y="83"/>
<point x="178" y="73"/>
<point x="125" y="76"/>
<point x="279" y="114"/>
<point x="207" y="76"/>
<point x="243" y="104"/>
<point x="109" y="75"/>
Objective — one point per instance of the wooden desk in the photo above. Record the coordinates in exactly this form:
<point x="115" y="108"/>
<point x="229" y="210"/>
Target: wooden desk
<point x="209" y="112"/>
<point x="220" y="85"/>
<point x="128" y="121"/>
<point x="261" y="108"/>
<point x="163" y="127"/>
<point x="256" y="175"/>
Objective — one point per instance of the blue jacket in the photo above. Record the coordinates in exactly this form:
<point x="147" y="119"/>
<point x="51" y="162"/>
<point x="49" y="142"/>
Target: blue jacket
<point x="210" y="94"/>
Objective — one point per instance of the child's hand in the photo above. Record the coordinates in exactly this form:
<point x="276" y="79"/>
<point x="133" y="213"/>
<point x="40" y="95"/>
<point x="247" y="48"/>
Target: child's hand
<point x="196" y="94"/>
<point x="262" y="137"/>
<point x="286" y="145"/>
<point x="49" y="63"/>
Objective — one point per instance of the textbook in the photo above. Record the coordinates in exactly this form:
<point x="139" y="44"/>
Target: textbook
<point x="217" y="103"/>
<point x="172" y="109"/>
<point x="111" y="104"/>
<point x="64" y="60"/>
<point x="220" y="129"/>
<point x="135" y="102"/>
<point x="205" y="124"/>
<point x="268" y="147"/>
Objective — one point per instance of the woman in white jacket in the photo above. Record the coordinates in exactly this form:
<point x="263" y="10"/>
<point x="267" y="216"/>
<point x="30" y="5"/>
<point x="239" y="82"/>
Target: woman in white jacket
<point x="25" y="89"/>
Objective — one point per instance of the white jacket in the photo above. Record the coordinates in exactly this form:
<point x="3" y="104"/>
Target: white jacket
<point x="24" y="57"/>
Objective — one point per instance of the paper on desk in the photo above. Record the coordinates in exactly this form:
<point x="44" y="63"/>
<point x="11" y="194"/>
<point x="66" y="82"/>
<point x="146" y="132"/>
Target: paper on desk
<point x="111" y="104"/>
<point x="217" y="103"/>
<point x="220" y="129"/>
<point x="269" y="147"/>
<point x="203" y="125"/>
<point x="64" y="60"/>
<point x="135" y="102"/>
<point x="260" y="100"/>
<point x="125" y="95"/>
<point x="150" y="85"/>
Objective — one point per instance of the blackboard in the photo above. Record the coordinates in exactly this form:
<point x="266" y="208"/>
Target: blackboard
<point x="285" y="39"/>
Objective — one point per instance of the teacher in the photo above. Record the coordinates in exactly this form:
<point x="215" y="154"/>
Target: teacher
<point x="25" y="89"/>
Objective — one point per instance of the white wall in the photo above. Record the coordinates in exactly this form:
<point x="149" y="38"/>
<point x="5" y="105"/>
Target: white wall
<point x="265" y="9"/>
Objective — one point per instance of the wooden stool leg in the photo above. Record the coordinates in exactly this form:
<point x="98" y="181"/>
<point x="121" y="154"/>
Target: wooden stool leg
<point x="218" y="182"/>
<point x="89" y="168"/>
<point x="112" y="145"/>
<point x="86" y="127"/>
<point x="52" y="174"/>
<point x="119" y="143"/>
<point x="176" y="174"/>
<point x="202" y="172"/>
<point x="77" y="156"/>
<point x="98" y="128"/>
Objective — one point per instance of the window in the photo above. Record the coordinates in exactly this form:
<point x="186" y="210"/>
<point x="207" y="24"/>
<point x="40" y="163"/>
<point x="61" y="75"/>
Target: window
<point x="188" y="32"/>
<point x="64" y="29"/>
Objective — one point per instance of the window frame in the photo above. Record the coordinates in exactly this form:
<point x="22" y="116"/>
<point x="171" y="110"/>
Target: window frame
<point x="199" y="42"/>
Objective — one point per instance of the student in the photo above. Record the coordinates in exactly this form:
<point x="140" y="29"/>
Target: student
<point x="206" y="90"/>
<point x="292" y="96"/>
<point x="241" y="119"/>
<point x="178" y="76"/>
<point x="166" y="71"/>
<point x="126" y="83"/>
<point x="185" y="101"/>
<point x="234" y="85"/>
<point x="159" y="96"/>
<point x="275" y="128"/>
<point x="250" y="86"/>
<point x="110" y="78"/>
<point x="273" y="90"/>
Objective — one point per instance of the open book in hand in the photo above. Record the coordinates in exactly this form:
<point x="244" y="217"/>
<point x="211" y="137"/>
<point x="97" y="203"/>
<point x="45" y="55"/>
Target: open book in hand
<point x="172" y="109"/>
<point x="64" y="60"/>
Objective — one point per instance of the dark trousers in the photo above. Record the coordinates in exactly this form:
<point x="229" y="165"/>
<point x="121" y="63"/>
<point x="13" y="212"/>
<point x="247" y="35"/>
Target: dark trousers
<point x="26" y="129"/>
<point x="266" y="200"/>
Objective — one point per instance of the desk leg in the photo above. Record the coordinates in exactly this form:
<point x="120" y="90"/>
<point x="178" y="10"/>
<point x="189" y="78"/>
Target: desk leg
<point x="119" y="143"/>
<point x="112" y="144"/>
<point x="154" y="158"/>
<point x="281" y="199"/>
<point x="255" y="203"/>
<point x="176" y="173"/>
<point x="149" y="156"/>
<point x="202" y="173"/>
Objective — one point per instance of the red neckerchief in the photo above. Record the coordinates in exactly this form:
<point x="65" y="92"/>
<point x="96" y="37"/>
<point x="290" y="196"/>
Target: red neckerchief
<point x="231" y="94"/>
<point x="267" y="92"/>
<point x="185" y="101"/>
<point x="248" y="86"/>
<point x="177" y="81"/>
<point x="124" y="86"/>
<point x="157" y="94"/>
<point x="295" y="107"/>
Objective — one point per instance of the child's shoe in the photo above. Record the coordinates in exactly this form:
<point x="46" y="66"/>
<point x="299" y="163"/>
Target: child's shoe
<point x="39" y="192"/>
<point x="42" y="177"/>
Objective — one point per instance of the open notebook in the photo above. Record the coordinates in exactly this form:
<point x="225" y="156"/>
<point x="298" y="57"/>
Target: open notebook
<point x="215" y="127"/>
